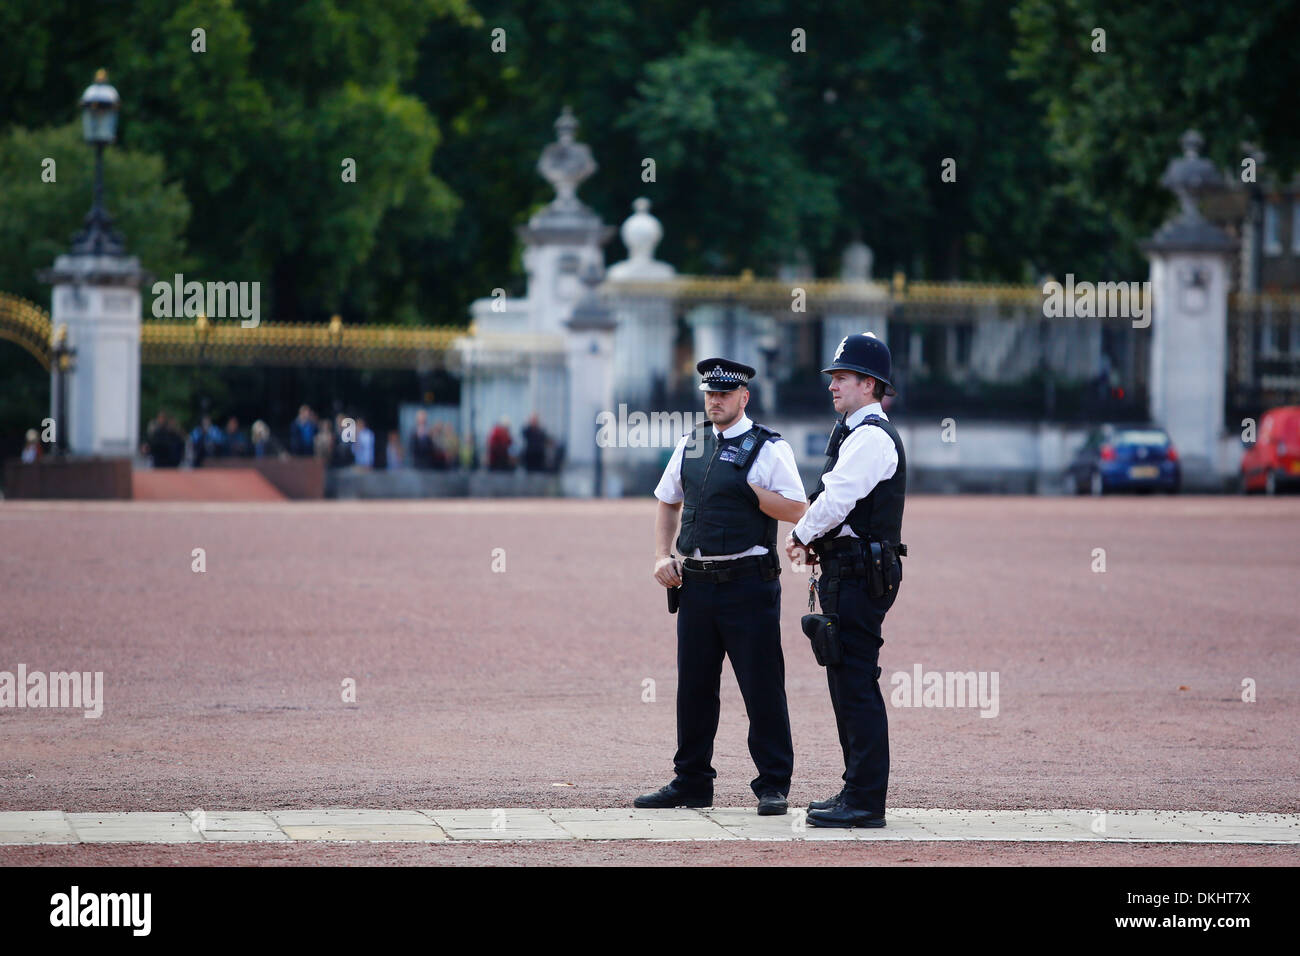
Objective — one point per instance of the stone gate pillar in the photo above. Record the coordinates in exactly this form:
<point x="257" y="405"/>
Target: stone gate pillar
<point x="591" y="469"/>
<point x="1190" y="259"/>
<point x="97" y="298"/>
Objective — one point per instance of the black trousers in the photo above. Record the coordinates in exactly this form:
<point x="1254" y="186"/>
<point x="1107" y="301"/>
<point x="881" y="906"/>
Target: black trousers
<point x="741" y="619"/>
<point x="855" y="693"/>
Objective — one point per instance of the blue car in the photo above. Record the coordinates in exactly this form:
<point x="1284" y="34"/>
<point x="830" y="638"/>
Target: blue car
<point x="1125" y="458"/>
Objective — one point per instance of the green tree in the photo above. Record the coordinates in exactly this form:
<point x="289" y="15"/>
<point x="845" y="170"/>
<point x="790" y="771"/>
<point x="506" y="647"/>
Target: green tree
<point x="864" y="117"/>
<point x="1114" y="118"/>
<point x="255" y="126"/>
<point x="713" y="120"/>
<point x="259" y="127"/>
<point x="38" y="218"/>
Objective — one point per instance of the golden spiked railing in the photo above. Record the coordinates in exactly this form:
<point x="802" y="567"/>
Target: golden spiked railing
<point x="28" y="326"/>
<point x="293" y="344"/>
<point x="821" y="295"/>
<point x="336" y="344"/>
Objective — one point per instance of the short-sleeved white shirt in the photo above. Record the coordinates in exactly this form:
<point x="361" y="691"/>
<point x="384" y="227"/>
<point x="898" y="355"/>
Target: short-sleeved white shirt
<point x="773" y="469"/>
<point x="867" y="457"/>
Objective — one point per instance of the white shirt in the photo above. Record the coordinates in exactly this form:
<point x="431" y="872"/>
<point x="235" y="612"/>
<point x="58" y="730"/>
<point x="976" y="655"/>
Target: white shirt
<point x="867" y="457"/>
<point x="773" y="469"/>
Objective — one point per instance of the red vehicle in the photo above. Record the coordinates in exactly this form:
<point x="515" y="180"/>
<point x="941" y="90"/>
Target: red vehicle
<point x="1272" y="463"/>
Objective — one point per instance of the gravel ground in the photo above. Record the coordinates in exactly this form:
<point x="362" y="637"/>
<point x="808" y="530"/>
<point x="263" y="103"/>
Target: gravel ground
<point x="524" y="687"/>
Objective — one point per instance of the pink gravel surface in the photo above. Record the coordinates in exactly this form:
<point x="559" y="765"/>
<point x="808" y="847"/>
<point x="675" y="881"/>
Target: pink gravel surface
<point x="523" y="687"/>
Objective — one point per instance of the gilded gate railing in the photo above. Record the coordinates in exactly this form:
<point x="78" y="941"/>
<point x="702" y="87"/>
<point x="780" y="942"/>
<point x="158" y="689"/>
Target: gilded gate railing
<point x="27" y="325"/>
<point x="226" y="342"/>
<point x="294" y="344"/>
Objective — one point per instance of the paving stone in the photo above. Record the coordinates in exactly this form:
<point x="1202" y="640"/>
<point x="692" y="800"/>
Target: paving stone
<point x="408" y="833"/>
<point x="1000" y="825"/>
<point x="35" y="826"/>
<point x="1261" y="827"/>
<point x="135" y="827"/>
<point x="633" y="824"/>
<point x="892" y="830"/>
<point x="598" y="814"/>
<point x="1250" y="834"/>
<point x="246" y="836"/>
<point x="356" y="817"/>
<point x="18" y="819"/>
<point x="217" y="821"/>
<point x="630" y="823"/>
<point x="511" y="824"/>
<point x="748" y="825"/>
<point x="1130" y="826"/>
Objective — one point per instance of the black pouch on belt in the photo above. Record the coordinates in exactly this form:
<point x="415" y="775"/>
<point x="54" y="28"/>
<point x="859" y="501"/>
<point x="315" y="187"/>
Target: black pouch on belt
<point x="875" y="558"/>
<point x="823" y="631"/>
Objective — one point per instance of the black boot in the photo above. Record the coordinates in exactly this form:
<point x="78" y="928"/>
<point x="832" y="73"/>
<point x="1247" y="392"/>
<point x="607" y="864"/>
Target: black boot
<point x="772" y="804"/>
<point x="844" y="815"/>
<point x="673" y="796"/>
<point x="828" y="804"/>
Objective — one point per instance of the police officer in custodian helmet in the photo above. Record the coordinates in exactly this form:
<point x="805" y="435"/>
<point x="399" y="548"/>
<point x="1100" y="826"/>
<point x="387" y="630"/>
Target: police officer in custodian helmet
<point x="730" y="480"/>
<point x="852" y="526"/>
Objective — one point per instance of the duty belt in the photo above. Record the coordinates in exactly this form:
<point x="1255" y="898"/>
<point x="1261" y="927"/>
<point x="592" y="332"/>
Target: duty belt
<point x="843" y="558"/>
<point x="718" y="572"/>
<point x="851" y="555"/>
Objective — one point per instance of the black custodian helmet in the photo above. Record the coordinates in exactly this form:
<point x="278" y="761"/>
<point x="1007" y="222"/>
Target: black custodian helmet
<point x="865" y="354"/>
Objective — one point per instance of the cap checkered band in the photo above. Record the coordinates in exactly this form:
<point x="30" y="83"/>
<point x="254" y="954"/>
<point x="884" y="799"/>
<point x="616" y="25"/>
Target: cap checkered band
<point x="720" y="374"/>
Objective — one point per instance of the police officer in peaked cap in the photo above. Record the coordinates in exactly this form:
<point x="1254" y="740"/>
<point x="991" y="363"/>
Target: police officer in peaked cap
<point x="851" y="534"/>
<point x="729" y="480"/>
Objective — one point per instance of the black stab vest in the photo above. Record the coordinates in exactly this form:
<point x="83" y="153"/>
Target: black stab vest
<point x="720" y="513"/>
<point x="878" y="516"/>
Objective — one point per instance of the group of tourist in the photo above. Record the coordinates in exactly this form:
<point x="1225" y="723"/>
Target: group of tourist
<point x="344" y="441"/>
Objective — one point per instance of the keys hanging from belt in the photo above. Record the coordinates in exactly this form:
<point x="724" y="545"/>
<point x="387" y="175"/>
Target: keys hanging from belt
<point x="812" y="593"/>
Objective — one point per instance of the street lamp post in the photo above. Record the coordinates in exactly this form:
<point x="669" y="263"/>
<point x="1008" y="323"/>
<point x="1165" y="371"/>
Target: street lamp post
<point x="97" y="297"/>
<point x="64" y="363"/>
<point x="336" y="338"/>
<point x="99" y="108"/>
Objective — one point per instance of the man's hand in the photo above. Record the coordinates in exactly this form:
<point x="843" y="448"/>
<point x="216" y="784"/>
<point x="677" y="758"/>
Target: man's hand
<point x="667" y="572"/>
<point x="800" y="555"/>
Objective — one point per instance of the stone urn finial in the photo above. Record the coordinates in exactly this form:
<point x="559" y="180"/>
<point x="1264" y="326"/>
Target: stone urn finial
<point x="855" y="263"/>
<point x="1191" y="176"/>
<point x="566" y="163"/>
<point x="641" y="232"/>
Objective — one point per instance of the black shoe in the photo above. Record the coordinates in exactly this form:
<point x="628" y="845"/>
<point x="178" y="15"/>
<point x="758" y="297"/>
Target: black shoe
<point x="672" y="796"/>
<point x="829" y="804"/>
<point x="772" y="804"/>
<point x="845" y="816"/>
